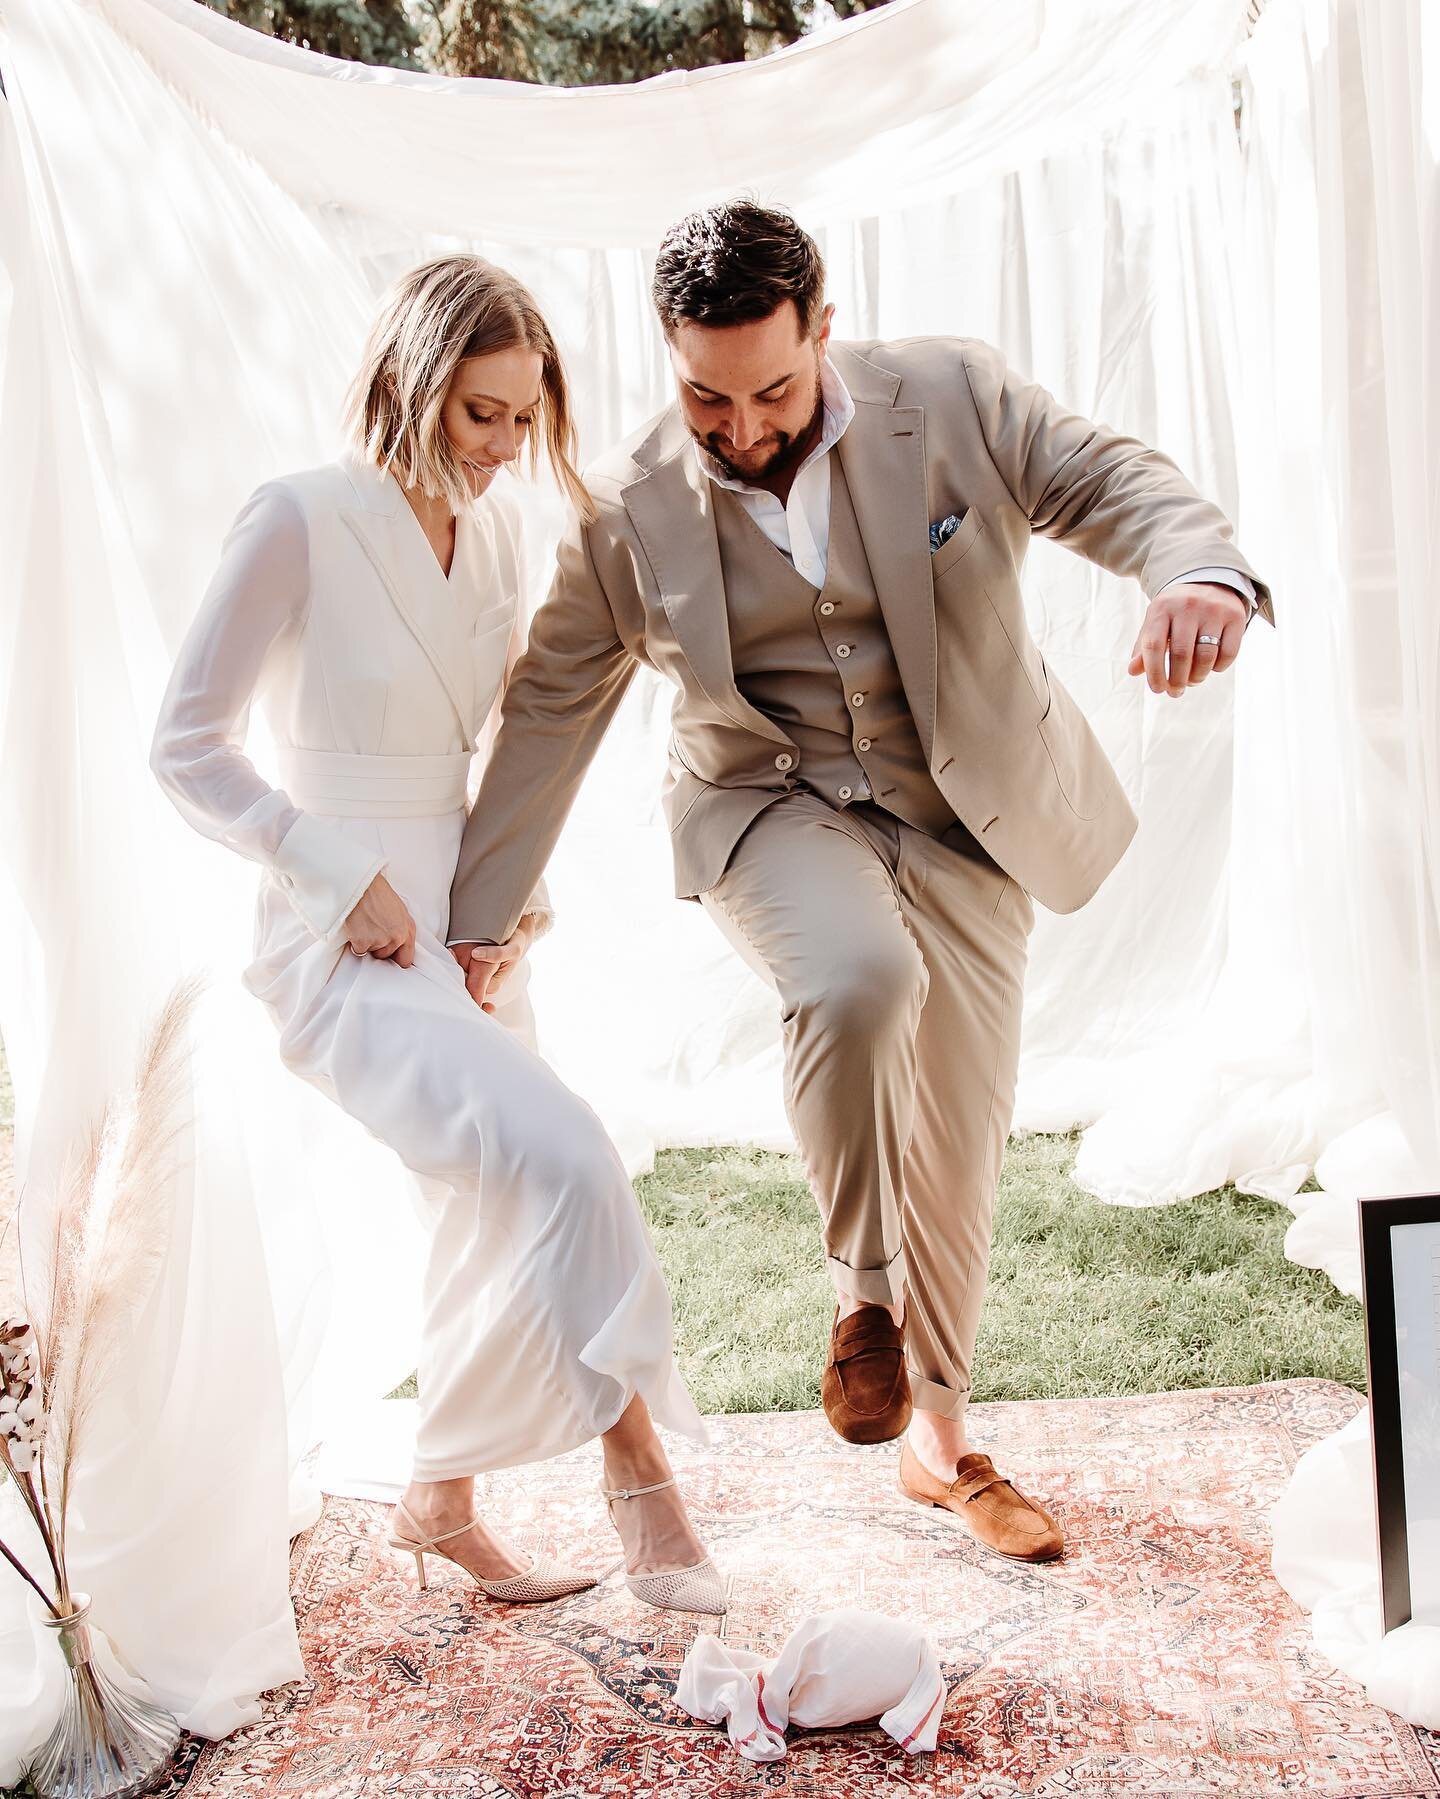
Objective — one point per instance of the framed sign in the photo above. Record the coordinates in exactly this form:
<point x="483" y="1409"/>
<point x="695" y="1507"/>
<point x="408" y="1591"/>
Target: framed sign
<point x="1400" y="1263"/>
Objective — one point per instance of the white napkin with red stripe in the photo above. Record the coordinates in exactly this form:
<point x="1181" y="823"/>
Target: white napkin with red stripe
<point x="838" y="1668"/>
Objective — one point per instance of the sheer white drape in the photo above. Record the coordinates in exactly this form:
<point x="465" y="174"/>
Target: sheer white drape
<point x="196" y="223"/>
<point x="1343" y="193"/>
<point x="1326" y="1017"/>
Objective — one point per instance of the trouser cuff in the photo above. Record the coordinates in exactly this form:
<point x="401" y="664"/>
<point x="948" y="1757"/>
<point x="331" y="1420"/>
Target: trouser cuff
<point x="930" y="1396"/>
<point x="875" y="1286"/>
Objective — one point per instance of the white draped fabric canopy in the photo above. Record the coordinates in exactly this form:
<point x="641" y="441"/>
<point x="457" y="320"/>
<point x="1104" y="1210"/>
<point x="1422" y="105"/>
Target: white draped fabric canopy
<point x="195" y="224"/>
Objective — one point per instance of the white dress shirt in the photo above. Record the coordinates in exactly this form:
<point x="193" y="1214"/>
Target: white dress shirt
<point x="800" y="528"/>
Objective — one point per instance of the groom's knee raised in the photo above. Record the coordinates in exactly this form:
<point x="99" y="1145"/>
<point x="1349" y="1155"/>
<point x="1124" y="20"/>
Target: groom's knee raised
<point x="863" y="994"/>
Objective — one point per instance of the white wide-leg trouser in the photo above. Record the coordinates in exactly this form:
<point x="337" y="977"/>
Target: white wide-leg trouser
<point x="544" y="1308"/>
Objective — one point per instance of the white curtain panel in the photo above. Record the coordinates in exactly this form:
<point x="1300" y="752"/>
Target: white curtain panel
<point x="195" y="225"/>
<point x="1341" y="863"/>
<point x="1319" y="1041"/>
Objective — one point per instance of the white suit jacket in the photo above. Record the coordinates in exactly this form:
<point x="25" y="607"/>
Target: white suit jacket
<point x="330" y="608"/>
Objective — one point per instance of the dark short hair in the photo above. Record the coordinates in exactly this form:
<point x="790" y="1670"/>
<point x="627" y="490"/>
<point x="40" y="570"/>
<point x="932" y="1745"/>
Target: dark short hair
<point x="734" y="263"/>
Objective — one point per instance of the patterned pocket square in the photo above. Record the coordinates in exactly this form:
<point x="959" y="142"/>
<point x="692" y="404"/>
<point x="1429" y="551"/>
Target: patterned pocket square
<point x="943" y="530"/>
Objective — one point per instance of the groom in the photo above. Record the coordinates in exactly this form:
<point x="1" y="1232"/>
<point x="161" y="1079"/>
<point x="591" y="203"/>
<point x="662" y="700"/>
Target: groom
<point x="872" y="769"/>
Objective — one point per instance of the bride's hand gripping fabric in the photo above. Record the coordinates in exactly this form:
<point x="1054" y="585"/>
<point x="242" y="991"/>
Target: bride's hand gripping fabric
<point x="381" y="925"/>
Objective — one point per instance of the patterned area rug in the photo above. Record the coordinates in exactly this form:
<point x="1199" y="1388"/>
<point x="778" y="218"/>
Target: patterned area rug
<point x="1158" y="1657"/>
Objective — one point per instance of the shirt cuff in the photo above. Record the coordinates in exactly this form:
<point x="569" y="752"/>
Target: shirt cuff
<point x="543" y="916"/>
<point x="1223" y="577"/>
<point x="544" y="919"/>
<point x="324" y="874"/>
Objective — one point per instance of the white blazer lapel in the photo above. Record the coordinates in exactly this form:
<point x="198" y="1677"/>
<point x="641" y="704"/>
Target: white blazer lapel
<point x="395" y="543"/>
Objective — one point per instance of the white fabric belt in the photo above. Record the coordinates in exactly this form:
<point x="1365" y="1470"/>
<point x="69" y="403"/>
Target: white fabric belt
<point x="345" y="786"/>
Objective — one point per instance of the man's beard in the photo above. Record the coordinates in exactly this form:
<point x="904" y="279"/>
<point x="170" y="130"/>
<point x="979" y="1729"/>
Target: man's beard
<point x="789" y="451"/>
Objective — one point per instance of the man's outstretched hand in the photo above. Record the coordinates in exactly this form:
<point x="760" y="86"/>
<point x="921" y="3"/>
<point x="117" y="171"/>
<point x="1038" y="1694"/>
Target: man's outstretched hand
<point x="489" y="965"/>
<point x="1168" y="651"/>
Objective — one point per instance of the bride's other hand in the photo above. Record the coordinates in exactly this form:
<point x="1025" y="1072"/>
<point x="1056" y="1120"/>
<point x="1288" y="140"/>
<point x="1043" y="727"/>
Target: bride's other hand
<point x="488" y="965"/>
<point x="381" y="925"/>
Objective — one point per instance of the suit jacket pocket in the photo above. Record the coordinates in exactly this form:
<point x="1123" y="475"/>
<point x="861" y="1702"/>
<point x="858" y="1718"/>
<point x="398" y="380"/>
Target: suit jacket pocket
<point x="988" y="662"/>
<point x="494" y="627"/>
<point x="489" y="650"/>
<point x="680" y="794"/>
<point x="959" y="545"/>
<point x="491" y="618"/>
<point x="1082" y="769"/>
<point x="677" y="750"/>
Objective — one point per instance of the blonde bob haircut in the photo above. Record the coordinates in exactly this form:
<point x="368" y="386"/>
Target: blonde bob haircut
<point x="434" y="319"/>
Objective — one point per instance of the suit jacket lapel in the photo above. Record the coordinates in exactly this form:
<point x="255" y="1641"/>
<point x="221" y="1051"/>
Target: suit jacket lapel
<point x="394" y="541"/>
<point x="883" y="454"/>
<point x="672" y="508"/>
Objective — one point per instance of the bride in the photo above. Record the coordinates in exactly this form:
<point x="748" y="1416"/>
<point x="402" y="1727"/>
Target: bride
<point x="371" y="607"/>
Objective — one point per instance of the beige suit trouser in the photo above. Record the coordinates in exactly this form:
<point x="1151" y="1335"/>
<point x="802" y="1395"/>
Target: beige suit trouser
<point x="899" y="961"/>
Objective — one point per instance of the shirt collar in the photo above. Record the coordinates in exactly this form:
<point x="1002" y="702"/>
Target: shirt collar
<point x="839" y="410"/>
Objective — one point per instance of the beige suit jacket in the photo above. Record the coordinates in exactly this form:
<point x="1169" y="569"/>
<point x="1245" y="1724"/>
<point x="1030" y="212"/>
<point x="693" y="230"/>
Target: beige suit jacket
<point x="941" y="426"/>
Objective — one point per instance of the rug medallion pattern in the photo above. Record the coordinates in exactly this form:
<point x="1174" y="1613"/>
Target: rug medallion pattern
<point x="1157" y="1659"/>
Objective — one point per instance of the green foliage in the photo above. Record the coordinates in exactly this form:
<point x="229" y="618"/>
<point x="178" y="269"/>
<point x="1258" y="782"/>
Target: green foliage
<point x="567" y="43"/>
<point x="373" y="31"/>
<point x="575" y="43"/>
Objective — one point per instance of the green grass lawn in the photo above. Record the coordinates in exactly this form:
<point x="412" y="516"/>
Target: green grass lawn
<point x="1084" y="1298"/>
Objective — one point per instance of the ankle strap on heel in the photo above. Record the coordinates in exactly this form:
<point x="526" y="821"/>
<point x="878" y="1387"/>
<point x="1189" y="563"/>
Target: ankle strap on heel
<point x="635" y="1492"/>
<point x="421" y="1540"/>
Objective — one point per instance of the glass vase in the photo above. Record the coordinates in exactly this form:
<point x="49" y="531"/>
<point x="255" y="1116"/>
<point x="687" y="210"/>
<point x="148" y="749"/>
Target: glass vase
<point x="107" y="1744"/>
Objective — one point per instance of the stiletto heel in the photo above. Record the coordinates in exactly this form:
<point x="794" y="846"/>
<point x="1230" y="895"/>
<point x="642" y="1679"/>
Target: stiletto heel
<point x="697" y="1588"/>
<point x="543" y="1580"/>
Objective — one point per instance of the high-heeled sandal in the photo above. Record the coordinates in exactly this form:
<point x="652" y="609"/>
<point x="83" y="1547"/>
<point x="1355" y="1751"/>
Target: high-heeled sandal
<point x="543" y="1580"/>
<point x="697" y="1588"/>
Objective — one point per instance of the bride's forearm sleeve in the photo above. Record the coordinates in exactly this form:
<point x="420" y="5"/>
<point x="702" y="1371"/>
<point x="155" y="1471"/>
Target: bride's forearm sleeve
<point x="254" y="607"/>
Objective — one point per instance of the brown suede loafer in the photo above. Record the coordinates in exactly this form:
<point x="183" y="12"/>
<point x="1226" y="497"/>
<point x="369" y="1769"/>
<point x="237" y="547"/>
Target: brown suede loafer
<point x="865" y="1389"/>
<point x="995" y="1513"/>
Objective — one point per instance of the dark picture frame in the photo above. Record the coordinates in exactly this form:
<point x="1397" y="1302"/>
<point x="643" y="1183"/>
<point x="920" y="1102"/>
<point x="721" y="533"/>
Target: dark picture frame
<point x="1392" y="1327"/>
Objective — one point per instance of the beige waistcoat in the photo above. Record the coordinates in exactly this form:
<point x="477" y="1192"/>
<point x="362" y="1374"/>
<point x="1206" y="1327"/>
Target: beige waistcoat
<point x="820" y="663"/>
